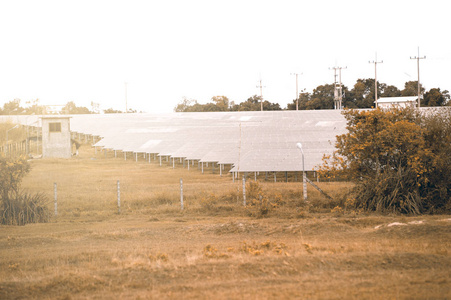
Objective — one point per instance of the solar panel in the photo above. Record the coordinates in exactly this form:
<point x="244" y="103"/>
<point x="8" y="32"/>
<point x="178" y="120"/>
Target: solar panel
<point x="249" y="141"/>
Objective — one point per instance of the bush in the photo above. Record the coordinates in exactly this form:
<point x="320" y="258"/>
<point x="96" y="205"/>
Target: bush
<point x="399" y="159"/>
<point x="24" y="209"/>
<point x="17" y="208"/>
<point x="260" y="204"/>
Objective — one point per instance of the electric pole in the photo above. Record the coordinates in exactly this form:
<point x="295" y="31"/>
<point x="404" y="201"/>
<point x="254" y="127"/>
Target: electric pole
<point x="338" y="94"/>
<point x="297" y="94"/>
<point x="261" y="94"/>
<point x="375" y="62"/>
<point x="418" y="68"/>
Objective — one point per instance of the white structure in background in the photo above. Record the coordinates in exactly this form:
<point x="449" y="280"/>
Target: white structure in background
<point x="388" y="102"/>
<point x="56" y="137"/>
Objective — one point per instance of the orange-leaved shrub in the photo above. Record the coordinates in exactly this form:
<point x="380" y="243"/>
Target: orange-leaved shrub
<point x="399" y="159"/>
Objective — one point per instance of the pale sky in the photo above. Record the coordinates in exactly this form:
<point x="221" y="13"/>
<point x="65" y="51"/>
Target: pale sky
<point x="83" y="51"/>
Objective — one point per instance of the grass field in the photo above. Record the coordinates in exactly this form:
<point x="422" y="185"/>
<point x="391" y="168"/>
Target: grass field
<point x="215" y="247"/>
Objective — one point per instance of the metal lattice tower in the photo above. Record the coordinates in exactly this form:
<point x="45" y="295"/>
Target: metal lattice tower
<point x="338" y="90"/>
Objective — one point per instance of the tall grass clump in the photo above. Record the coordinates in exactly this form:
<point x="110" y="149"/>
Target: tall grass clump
<point x="16" y="207"/>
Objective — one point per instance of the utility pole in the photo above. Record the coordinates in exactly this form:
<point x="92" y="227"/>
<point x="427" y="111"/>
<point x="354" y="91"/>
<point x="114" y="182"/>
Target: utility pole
<point x="126" y="108"/>
<point x="375" y="62"/>
<point x="418" y="68"/>
<point x="338" y="94"/>
<point x="261" y="93"/>
<point x="297" y="94"/>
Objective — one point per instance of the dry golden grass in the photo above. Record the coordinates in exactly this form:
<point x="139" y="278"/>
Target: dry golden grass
<point x="215" y="248"/>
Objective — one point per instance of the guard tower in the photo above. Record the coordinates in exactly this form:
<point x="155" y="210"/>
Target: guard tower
<point x="56" y="137"/>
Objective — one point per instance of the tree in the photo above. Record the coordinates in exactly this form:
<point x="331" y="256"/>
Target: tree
<point x="253" y="104"/>
<point x="390" y="91"/>
<point x="95" y="107"/>
<point x="112" y="111"/>
<point x="221" y="103"/>
<point x="34" y="108"/>
<point x="363" y="95"/>
<point x="71" y="108"/>
<point x="391" y="158"/>
<point x="12" y="108"/>
<point x="17" y="208"/>
<point x="321" y="98"/>
<point x="411" y="89"/>
<point x="434" y="97"/>
<point x="303" y="100"/>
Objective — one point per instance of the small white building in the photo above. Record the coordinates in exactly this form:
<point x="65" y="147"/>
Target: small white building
<point x="56" y="137"/>
<point x="388" y="102"/>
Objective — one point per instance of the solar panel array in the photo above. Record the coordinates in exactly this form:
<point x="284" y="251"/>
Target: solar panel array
<point x="249" y="141"/>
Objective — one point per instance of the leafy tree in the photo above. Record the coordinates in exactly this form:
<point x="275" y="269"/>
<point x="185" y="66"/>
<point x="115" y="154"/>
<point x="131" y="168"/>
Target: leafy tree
<point x="363" y="93"/>
<point x="435" y="97"/>
<point x="390" y="157"/>
<point x="221" y="102"/>
<point x="95" y="107"/>
<point x="304" y="98"/>
<point x="411" y="89"/>
<point x="73" y="109"/>
<point x="112" y="111"/>
<point x="12" y="108"/>
<point x="321" y="98"/>
<point x="253" y="104"/>
<point x="184" y="105"/>
<point x="34" y="108"/>
<point x="390" y="91"/>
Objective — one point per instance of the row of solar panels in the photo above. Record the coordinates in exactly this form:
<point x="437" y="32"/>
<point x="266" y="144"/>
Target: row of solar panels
<point x="249" y="141"/>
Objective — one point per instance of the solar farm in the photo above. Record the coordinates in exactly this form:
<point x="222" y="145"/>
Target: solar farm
<point x="244" y="141"/>
<point x="275" y="246"/>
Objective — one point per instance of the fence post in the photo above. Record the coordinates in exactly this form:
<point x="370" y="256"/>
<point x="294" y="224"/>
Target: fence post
<point x="118" y="197"/>
<point x="56" y="198"/>
<point x="181" y="193"/>
<point x="244" y="189"/>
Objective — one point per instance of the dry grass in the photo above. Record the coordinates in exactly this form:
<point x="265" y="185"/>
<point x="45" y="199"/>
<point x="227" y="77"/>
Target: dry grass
<point x="215" y="248"/>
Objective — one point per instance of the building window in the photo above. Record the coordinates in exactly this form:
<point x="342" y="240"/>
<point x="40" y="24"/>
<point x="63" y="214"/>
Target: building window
<point x="55" y="127"/>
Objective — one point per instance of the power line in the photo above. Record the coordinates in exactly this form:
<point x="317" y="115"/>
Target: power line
<point x="375" y="62"/>
<point x="418" y="68"/>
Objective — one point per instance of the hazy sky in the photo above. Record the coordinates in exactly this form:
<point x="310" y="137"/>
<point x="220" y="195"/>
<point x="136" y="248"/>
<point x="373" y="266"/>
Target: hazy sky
<point x="83" y="51"/>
